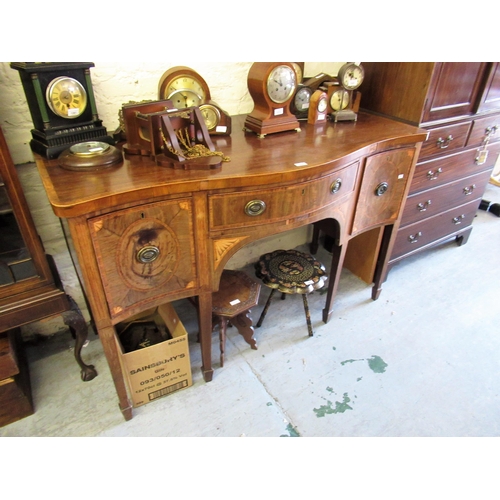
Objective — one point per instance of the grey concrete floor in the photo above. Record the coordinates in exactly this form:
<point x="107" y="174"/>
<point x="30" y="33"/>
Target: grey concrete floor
<point x="421" y="361"/>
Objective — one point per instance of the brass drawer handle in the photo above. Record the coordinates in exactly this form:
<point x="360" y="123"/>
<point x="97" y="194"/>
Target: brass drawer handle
<point x="422" y="207"/>
<point x="336" y="185"/>
<point x="458" y="220"/>
<point x="444" y="143"/>
<point x="255" y="207"/>
<point x="468" y="190"/>
<point x="413" y="238"/>
<point x="381" y="189"/>
<point x="148" y="254"/>
<point x="432" y="176"/>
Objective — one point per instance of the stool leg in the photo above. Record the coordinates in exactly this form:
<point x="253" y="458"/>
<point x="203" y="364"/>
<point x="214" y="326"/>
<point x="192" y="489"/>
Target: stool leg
<point x="308" y="316"/>
<point x="222" y="339"/>
<point x="266" y="307"/>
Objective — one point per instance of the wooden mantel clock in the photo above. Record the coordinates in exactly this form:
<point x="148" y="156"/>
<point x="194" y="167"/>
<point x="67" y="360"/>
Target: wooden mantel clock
<point x="272" y="86"/>
<point x="62" y="105"/>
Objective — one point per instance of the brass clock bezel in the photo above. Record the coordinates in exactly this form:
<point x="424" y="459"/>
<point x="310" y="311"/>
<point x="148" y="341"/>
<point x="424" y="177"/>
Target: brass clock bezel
<point x="271" y="84"/>
<point x="194" y="81"/>
<point x="58" y="91"/>
<point x="344" y="101"/>
<point x="345" y="76"/>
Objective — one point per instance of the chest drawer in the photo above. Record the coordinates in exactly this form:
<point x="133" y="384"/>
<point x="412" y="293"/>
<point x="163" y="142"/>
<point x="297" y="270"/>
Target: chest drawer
<point x="415" y="236"/>
<point x="268" y="205"/>
<point x="445" y="139"/>
<point x="433" y="173"/>
<point x="145" y="253"/>
<point x="482" y="128"/>
<point x="428" y="203"/>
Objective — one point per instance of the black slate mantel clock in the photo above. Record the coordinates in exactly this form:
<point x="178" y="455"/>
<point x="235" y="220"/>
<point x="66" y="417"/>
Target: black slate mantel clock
<point x="62" y="105"/>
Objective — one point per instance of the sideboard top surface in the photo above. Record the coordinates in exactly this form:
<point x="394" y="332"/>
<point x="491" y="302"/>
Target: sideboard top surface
<point x="276" y="159"/>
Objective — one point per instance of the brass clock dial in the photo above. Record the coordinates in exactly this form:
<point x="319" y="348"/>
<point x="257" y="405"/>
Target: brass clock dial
<point x="339" y="100"/>
<point x="184" y="87"/>
<point x="66" y="97"/>
<point x="351" y="75"/>
<point x="211" y="115"/>
<point x="281" y="84"/>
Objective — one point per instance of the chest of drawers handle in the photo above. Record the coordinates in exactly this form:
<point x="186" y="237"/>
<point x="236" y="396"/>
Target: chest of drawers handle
<point x="413" y="238"/>
<point x="458" y="220"/>
<point x="433" y="175"/>
<point x="422" y="207"/>
<point x="255" y="207"/>
<point x="468" y="190"/>
<point x="444" y="143"/>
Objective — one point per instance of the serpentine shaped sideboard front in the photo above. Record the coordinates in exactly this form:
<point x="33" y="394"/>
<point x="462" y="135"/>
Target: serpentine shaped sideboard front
<point x="147" y="234"/>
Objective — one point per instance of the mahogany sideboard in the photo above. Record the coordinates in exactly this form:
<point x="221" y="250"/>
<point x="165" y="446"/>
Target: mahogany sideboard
<point x="351" y="177"/>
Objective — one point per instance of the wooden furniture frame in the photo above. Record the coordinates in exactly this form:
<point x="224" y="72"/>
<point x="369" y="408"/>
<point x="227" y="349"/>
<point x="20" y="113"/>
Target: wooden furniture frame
<point x="194" y="221"/>
<point x="37" y="294"/>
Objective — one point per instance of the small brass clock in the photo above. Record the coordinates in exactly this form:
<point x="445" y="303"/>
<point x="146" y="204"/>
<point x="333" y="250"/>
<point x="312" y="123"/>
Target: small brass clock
<point x="61" y="102"/>
<point x="217" y="120"/>
<point x="272" y="86"/>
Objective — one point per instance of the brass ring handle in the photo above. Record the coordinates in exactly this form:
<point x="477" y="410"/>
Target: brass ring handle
<point x="148" y="254"/>
<point x="381" y="189"/>
<point x="336" y="185"/>
<point x="255" y="207"/>
<point x="444" y="143"/>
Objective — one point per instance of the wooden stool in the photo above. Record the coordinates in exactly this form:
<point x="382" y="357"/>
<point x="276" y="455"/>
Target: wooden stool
<point x="237" y="294"/>
<point x="290" y="272"/>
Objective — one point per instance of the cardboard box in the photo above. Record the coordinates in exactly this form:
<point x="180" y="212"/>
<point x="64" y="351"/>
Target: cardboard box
<point x="161" y="369"/>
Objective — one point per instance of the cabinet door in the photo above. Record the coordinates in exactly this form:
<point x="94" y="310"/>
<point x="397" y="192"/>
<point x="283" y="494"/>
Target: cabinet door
<point x="145" y="254"/>
<point x="454" y="90"/>
<point x="383" y="187"/>
<point x="490" y="99"/>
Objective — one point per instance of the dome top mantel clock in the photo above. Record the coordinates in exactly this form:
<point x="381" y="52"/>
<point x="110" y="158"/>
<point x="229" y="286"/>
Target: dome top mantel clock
<point x="61" y="102"/>
<point x="272" y="86"/>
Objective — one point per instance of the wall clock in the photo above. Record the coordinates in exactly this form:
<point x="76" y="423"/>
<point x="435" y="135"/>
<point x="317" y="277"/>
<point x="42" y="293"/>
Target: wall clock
<point x="272" y="86"/>
<point x="350" y="77"/>
<point x="61" y="102"/>
<point x="318" y="108"/>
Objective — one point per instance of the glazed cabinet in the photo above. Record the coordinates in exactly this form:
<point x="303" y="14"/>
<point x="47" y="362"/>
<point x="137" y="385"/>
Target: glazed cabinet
<point x="459" y="106"/>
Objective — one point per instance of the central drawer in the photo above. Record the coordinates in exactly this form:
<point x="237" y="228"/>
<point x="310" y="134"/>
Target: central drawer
<point x="250" y="208"/>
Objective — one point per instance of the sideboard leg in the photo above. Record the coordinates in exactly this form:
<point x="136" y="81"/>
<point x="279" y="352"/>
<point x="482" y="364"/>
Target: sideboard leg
<point x="205" y="320"/>
<point x="338" y="255"/>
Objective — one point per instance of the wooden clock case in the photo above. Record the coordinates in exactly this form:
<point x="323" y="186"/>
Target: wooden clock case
<point x="267" y="116"/>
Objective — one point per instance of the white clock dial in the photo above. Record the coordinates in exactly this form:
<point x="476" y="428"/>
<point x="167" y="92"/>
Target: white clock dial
<point x="281" y="84"/>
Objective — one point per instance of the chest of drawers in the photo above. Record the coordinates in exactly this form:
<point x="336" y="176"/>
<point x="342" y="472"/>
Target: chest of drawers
<point x="459" y="105"/>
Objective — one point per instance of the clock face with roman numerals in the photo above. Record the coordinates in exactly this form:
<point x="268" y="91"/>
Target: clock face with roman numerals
<point x="66" y="97"/>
